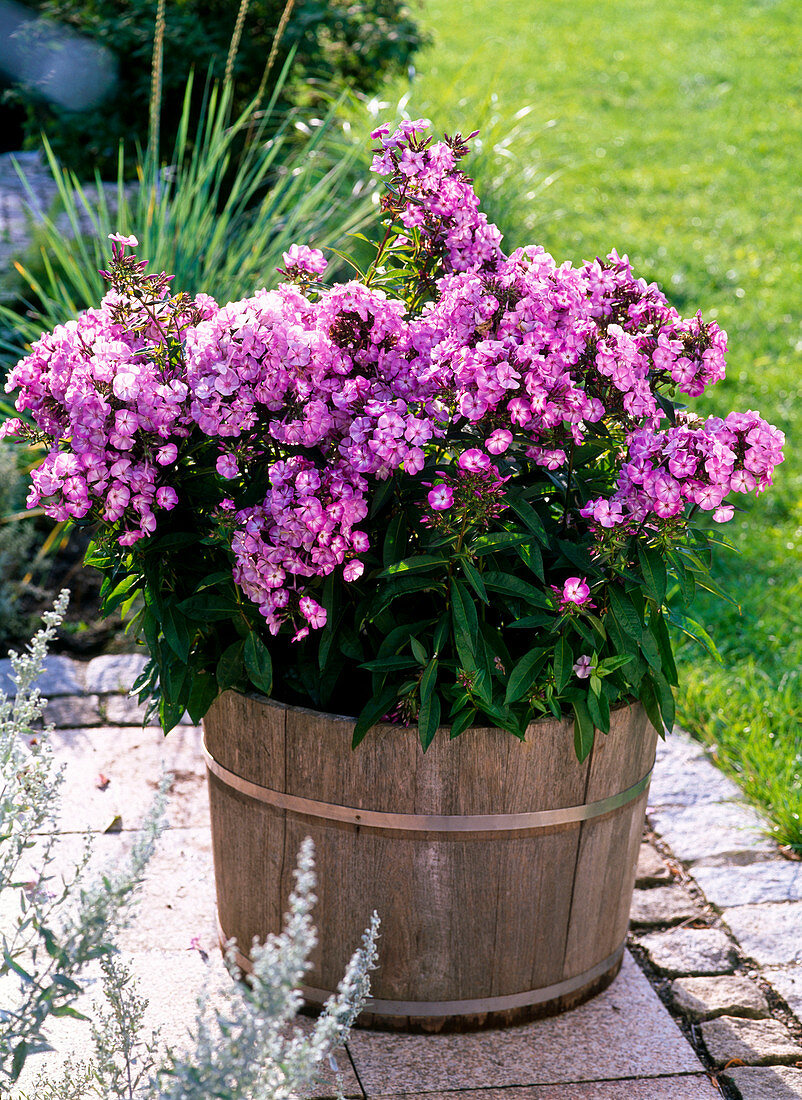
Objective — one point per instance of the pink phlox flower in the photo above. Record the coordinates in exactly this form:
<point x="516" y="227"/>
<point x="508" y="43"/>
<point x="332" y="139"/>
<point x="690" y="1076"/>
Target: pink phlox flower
<point x="120" y="238"/>
<point x="226" y="466"/>
<point x="441" y="498"/>
<point x="314" y="614"/>
<point x="473" y="461"/>
<point x="583" y="667"/>
<point x="576" y="591"/>
<point x="353" y="570"/>
<point x="498" y="441"/>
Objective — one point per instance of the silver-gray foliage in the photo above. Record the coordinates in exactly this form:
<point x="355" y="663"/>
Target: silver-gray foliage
<point x="252" y="1050"/>
<point x="59" y="929"/>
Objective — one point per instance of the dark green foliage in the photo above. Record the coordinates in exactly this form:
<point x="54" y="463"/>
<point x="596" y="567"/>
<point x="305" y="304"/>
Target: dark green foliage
<point x="337" y="44"/>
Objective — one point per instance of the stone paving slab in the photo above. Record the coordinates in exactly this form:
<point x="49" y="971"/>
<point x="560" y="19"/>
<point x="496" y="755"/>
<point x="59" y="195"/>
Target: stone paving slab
<point x="767" y="881"/>
<point x="684" y="775"/>
<point x="625" y="1032"/>
<point x="753" y="1042"/>
<point x="662" y="905"/>
<point x="788" y="983"/>
<point x="61" y="676"/>
<point x="716" y="832"/>
<point x="687" y="1087"/>
<point x="131" y="759"/>
<point x="769" y="934"/>
<point x="726" y="995"/>
<point x="775" y="1083"/>
<point x="694" y="951"/>
<point x="652" y="868"/>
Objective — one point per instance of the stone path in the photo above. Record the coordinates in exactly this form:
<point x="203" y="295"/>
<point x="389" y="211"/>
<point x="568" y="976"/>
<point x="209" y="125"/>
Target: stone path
<point x="707" y="1004"/>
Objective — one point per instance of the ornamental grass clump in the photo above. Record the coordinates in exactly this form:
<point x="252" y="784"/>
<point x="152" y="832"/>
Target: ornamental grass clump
<point x="459" y="489"/>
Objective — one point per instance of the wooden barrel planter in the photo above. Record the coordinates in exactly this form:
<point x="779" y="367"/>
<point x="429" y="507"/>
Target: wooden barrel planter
<point x="502" y="871"/>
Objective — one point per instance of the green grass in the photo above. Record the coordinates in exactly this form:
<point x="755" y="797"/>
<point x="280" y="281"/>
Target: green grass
<point x="671" y="132"/>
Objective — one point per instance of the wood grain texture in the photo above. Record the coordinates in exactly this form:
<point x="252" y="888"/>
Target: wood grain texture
<point x="465" y="916"/>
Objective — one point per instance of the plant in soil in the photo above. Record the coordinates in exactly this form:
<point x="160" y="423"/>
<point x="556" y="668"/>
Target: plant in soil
<point x="457" y="489"/>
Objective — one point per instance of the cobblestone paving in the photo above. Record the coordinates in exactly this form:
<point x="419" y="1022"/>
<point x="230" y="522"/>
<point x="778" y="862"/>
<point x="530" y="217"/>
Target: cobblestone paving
<point x="716" y="926"/>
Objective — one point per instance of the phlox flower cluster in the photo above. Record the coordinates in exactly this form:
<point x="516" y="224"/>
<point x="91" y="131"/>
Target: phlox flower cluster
<point x="114" y="412"/>
<point x="493" y="367"/>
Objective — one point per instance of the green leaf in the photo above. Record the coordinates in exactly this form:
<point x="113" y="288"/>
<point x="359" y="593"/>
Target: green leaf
<point x="441" y="633"/>
<point x="418" y="651"/>
<point x="563" y="664"/>
<point x="578" y="556"/>
<point x="258" y="663"/>
<point x="648" y="697"/>
<point x="428" y="680"/>
<point x="584" y="733"/>
<point x="461" y="721"/>
<point x="599" y="710"/>
<point x="399" y="635"/>
<point x="202" y="694"/>
<point x="653" y="568"/>
<point x="610" y="664"/>
<point x="463" y="613"/>
<point x="120" y="593"/>
<point x="657" y="625"/>
<point x="532" y="558"/>
<point x="665" y="699"/>
<point x="650" y="650"/>
<point x="685" y="579"/>
<point x="389" y="664"/>
<point x="416" y="564"/>
<point x="624" y="613"/>
<point x="429" y="720"/>
<point x="513" y="586"/>
<point x="697" y="632"/>
<point x="523" y="675"/>
<point x="372" y="713"/>
<point x="489" y="544"/>
<point x="18" y="1058"/>
<point x="531" y="519"/>
<point x="474" y="578"/>
<point x="177" y="632"/>
<point x="207" y="608"/>
<point x="530" y="622"/>
<point x="395" y="539"/>
<point x="230" y="665"/>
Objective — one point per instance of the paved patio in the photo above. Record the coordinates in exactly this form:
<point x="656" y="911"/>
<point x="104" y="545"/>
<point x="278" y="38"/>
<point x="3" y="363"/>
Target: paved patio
<point x="623" y="1045"/>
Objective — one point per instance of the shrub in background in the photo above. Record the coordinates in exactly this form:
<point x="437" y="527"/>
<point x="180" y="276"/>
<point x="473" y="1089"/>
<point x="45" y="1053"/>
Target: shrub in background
<point x="335" y="44"/>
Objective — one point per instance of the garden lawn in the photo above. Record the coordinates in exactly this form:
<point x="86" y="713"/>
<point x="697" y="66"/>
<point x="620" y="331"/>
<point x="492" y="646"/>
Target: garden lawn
<point x="670" y="132"/>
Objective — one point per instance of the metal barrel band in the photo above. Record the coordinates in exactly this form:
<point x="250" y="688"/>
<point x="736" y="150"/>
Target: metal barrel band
<point x="476" y="1007"/>
<point x="446" y="823"/>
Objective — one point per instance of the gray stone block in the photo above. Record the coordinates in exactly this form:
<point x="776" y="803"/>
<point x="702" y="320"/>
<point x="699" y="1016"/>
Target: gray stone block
<point x="124" y="710"/>
<point x="775" y="1083"/>
<point x="114" y="672"/>
<point x="623" y="1033"/>
<point x="690" y="951"/>
<point x="61" y="676"/>
<point x="769" y="880"/>
<point x="788" y="984"/>
<point x="662" y="905"/>
<point x="770" y="934"/>
<point x="754" y="1042"/>
<point x="652" y="869"/>
<point x="727" y="995"/>
<point x="70" y="711"/>
<point x="685" y="776"/>
<point x="718" y="832"/>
